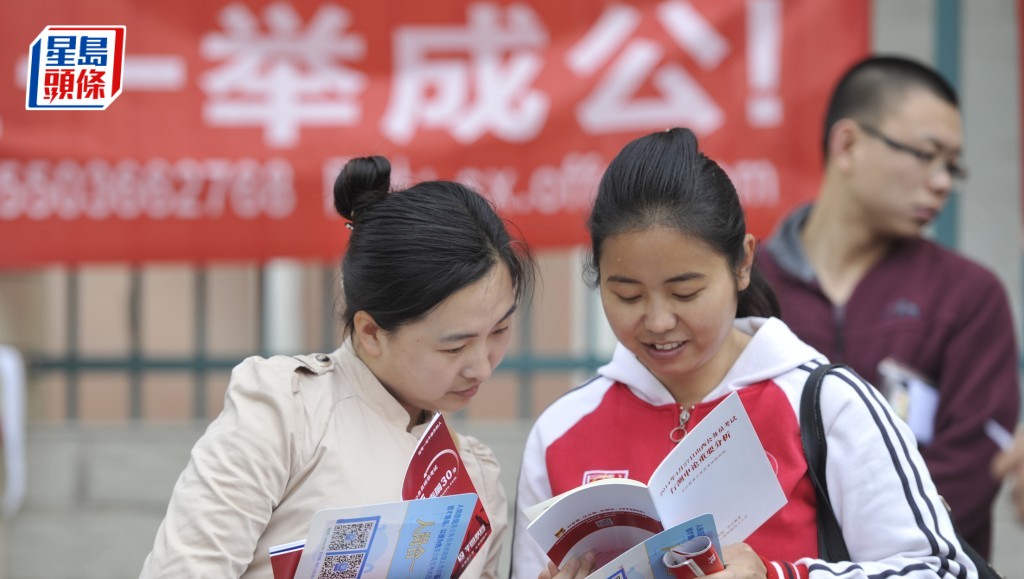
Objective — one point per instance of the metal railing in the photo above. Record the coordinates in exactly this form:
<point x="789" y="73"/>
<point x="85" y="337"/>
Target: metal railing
<point x="526" y="363"/>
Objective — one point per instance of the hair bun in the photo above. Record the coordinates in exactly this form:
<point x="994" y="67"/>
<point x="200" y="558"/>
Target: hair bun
<point x="362" y="182"/>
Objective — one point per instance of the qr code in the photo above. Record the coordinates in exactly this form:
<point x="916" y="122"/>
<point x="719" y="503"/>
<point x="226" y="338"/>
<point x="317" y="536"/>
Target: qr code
<point x="351" y="536"/>
<point x="345" y="566"/>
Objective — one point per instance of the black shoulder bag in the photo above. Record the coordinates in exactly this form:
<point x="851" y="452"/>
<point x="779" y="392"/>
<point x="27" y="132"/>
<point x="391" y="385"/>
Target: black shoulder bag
<point x="831" y="545"/>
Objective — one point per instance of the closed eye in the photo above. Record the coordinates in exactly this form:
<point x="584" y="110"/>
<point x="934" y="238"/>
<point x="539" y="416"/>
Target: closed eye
<point x="499" y="331"/>
<point x="628" y="299"/>
<point x="686" y="297"/>
<point x="455" y="350"/>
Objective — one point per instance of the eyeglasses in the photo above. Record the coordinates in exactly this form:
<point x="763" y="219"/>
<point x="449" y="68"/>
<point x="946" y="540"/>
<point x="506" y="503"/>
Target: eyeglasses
<point x="957" y="172"/>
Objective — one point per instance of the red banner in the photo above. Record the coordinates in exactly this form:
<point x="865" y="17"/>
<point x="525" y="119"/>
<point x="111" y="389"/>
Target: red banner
<point x="235" y="117"/>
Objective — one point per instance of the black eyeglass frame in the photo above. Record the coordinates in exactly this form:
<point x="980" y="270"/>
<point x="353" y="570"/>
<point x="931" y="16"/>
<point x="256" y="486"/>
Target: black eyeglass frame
<point x="957" y="172"/>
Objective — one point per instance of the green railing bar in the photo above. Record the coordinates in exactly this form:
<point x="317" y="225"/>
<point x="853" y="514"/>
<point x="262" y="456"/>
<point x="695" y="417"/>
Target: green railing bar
<point x="191" y="364"/>
<point x="135" y="341"/>
<point x="526" y="352"/>
<point x="261" y="305"/>
<point x="330" y="296"/>
<point x="71" y="387"/>
<point x="201" y="311"/>
<point x="947" y="61"/>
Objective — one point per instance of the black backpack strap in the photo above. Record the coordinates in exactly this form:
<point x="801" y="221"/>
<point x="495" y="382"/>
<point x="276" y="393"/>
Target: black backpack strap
<point x="831" y="545"/>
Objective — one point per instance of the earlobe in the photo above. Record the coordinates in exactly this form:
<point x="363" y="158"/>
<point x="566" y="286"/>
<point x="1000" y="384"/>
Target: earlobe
<point x="841" y="140"/>
<point x="743" y="272"/>
<point x="367" y="333"/>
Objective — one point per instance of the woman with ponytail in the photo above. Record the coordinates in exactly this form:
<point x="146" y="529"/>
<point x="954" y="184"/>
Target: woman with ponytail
<point x="674" y="265"/>
<point x="431" y="279"/>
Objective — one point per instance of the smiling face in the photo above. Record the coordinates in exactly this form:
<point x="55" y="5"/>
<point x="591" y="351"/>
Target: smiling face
<point x="439" y="362"/>
<point x="671" y="300"/>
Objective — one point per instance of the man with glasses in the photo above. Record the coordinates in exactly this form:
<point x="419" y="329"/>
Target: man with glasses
<point x="857" y="280"/>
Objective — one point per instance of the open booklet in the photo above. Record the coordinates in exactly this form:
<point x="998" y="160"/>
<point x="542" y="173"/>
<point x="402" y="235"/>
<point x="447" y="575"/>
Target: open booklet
<point x="720" y="468"/>
<point x="435" y="470"/>
<point x="420" y="538"/>
<point x="690" y="549"/>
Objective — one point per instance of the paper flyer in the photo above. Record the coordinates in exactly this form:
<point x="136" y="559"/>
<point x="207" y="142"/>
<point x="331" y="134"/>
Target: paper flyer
<point x="402" y="540"/>
<point x="647" y="560"/>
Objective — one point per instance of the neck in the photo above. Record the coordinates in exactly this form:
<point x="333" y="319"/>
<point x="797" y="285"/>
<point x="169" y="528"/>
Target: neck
<point x="417" y="416"/>
<point x="840" y="246"/>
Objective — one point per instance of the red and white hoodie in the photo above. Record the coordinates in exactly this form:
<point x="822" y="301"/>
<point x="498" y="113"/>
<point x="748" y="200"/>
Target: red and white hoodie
<point x="619" y="424"/>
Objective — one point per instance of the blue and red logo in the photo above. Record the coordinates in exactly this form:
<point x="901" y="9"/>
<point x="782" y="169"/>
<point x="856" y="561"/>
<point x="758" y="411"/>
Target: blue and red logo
<point x="75" y="68"/>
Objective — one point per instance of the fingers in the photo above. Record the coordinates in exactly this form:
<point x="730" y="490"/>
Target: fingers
<point x="737" y="551"/>
<point x="586" y="564"/>
<point x="741" y="561"/>
<point x="572" y="569"/>
<point x="1003" y="464"/>
<point x="1018" y="497"/>
<point x="1010" y="464"/>
<point x="1012" y="460"/>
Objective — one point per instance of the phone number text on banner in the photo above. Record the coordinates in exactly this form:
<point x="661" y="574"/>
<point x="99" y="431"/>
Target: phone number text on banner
<point x="234" y="119"/>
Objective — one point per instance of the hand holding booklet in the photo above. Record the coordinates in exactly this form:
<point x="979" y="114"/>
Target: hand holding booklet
<point x="687" y="550"/>
<point x="435" y="531"/>
<point x="719" y="468"/>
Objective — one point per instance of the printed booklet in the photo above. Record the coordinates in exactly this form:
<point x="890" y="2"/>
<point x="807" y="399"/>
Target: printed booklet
<point x="435" y="470"/>
<point x="420" y="538"/>
<point x="689" y="549"/>
<point x="719" y="468"/>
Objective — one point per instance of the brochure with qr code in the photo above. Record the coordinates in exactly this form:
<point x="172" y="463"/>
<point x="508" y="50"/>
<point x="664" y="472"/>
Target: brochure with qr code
<point x="719" y="467"/>
<point x="405" y="539"/>
<point x="648" y="559"/>
<point x="435" y="469"/>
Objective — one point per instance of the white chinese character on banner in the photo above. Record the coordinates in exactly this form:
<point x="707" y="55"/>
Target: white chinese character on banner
<point x="286" y="77"/>
<point x="488" y="90"/>
<point x="614" y="106"/>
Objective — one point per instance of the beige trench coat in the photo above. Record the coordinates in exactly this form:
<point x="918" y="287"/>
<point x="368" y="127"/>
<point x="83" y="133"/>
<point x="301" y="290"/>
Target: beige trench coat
<point x="298" y="434"/>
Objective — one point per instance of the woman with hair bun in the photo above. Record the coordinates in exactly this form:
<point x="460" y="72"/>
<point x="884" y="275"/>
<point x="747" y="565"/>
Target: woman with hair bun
<point x="431" y="279"/>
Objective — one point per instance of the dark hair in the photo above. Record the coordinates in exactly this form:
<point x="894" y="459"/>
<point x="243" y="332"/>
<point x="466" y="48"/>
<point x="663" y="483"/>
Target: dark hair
<point x="872" y="86"/>
<point x="411" y="249"/>
<point x="663" y="179"/>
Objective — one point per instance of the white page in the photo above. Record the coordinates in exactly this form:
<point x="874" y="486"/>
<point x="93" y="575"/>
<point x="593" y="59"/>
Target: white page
<point x="720" y="468"/>
<point x="594" y="518"/>
<point x="924" y="402"/>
